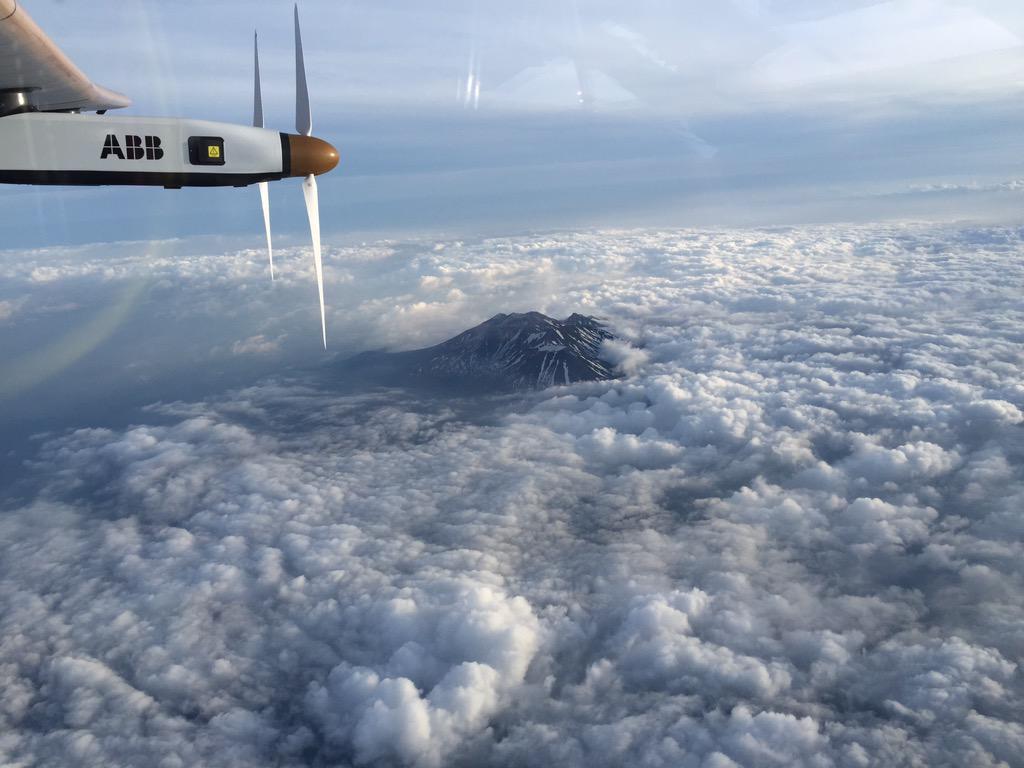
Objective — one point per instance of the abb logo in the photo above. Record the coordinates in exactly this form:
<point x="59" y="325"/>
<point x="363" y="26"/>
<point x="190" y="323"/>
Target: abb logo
<point x="135" y="148"/>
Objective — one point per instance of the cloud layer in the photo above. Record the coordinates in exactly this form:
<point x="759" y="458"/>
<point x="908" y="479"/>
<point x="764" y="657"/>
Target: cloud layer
<point x="790" y="536"/>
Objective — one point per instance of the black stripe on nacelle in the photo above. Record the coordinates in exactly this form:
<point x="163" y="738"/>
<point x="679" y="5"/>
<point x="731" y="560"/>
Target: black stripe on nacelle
<point x="135" y="178"/>
<point x="286" y="155"/>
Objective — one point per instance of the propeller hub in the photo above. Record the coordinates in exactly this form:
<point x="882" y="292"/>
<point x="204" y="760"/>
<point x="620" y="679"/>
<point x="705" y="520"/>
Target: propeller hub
<point x="311" y="156"/>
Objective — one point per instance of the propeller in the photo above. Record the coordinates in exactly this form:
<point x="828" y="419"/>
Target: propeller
<point x="304" y="126"/>
<point x="257" y="121"/>
<point x="309" y="156"/>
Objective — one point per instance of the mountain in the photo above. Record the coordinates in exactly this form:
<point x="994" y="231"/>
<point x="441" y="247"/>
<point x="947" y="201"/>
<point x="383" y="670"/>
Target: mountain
<point x="508" y="352"/>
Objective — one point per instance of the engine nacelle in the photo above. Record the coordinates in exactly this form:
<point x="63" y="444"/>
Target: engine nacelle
<point x="73" y="149"/>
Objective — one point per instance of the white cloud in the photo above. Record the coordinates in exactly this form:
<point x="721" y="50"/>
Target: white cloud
<point x="256" y="345"/>
<point x="388" y="718"/>
<point x="884" y="36"/>
<point x="627" y="358"/>
<point x="789" y="536"/>
<point x="10" y="308"/>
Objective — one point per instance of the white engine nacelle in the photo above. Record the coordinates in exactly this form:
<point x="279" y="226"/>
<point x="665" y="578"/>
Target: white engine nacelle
<point x="73" y="149"/>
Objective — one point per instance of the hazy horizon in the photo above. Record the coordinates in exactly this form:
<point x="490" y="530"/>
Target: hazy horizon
<point x="744" y="113"/>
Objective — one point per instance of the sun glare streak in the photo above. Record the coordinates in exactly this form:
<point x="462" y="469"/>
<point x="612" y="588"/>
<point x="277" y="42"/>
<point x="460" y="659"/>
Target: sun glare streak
<point x="39" y="367"/>
<point x="157" y="60"/>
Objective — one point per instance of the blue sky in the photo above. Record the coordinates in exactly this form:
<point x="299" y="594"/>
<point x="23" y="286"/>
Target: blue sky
<point x="743" y="112"/>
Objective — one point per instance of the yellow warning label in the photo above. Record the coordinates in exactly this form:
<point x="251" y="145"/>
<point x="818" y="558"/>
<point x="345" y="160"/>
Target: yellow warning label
<point x="214" y="152"/>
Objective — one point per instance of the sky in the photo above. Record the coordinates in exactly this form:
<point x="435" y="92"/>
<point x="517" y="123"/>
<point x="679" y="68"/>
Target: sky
<point x="788" y="533"/>
<point x="466" y="117"/>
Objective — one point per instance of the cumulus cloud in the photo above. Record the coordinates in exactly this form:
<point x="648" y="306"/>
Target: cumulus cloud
<point x="624" y="356"/>
<point x="388" y="718"/>
<point x="788" y="536"/>
<point x="256" y="345"/>
<point x="9" y="308"/>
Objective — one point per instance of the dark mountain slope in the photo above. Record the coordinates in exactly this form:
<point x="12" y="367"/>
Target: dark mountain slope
<point x="508" y="352"/>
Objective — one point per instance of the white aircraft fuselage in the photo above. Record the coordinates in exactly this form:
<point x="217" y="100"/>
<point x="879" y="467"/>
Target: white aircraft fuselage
<point x="77" y="149"/>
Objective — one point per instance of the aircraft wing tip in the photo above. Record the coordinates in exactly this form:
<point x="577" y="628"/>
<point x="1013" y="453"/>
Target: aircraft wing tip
<point x="107" y="99"/>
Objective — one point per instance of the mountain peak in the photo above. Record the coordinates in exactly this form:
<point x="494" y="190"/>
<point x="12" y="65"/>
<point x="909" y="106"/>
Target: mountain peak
<point x="518" y="351"/>
<point x="524" y="351"/>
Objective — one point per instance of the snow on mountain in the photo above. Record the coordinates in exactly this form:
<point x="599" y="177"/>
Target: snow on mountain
<point x="509" y="352"/>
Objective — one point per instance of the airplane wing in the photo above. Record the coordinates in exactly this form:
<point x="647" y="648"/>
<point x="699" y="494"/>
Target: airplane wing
<point x="30" y="61"/>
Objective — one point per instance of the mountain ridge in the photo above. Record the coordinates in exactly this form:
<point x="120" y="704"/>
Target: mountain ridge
<point x="510" y="352"/>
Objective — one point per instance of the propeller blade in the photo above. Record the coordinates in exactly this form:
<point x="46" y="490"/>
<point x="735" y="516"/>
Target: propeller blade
<point x="304" y="126"/>
<point x="257" y="121"/>
<point x="303" y="118"/>
<point x="313" y="210"/>
<point x="265" y="199"/>
<point x="257" y="111"/>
